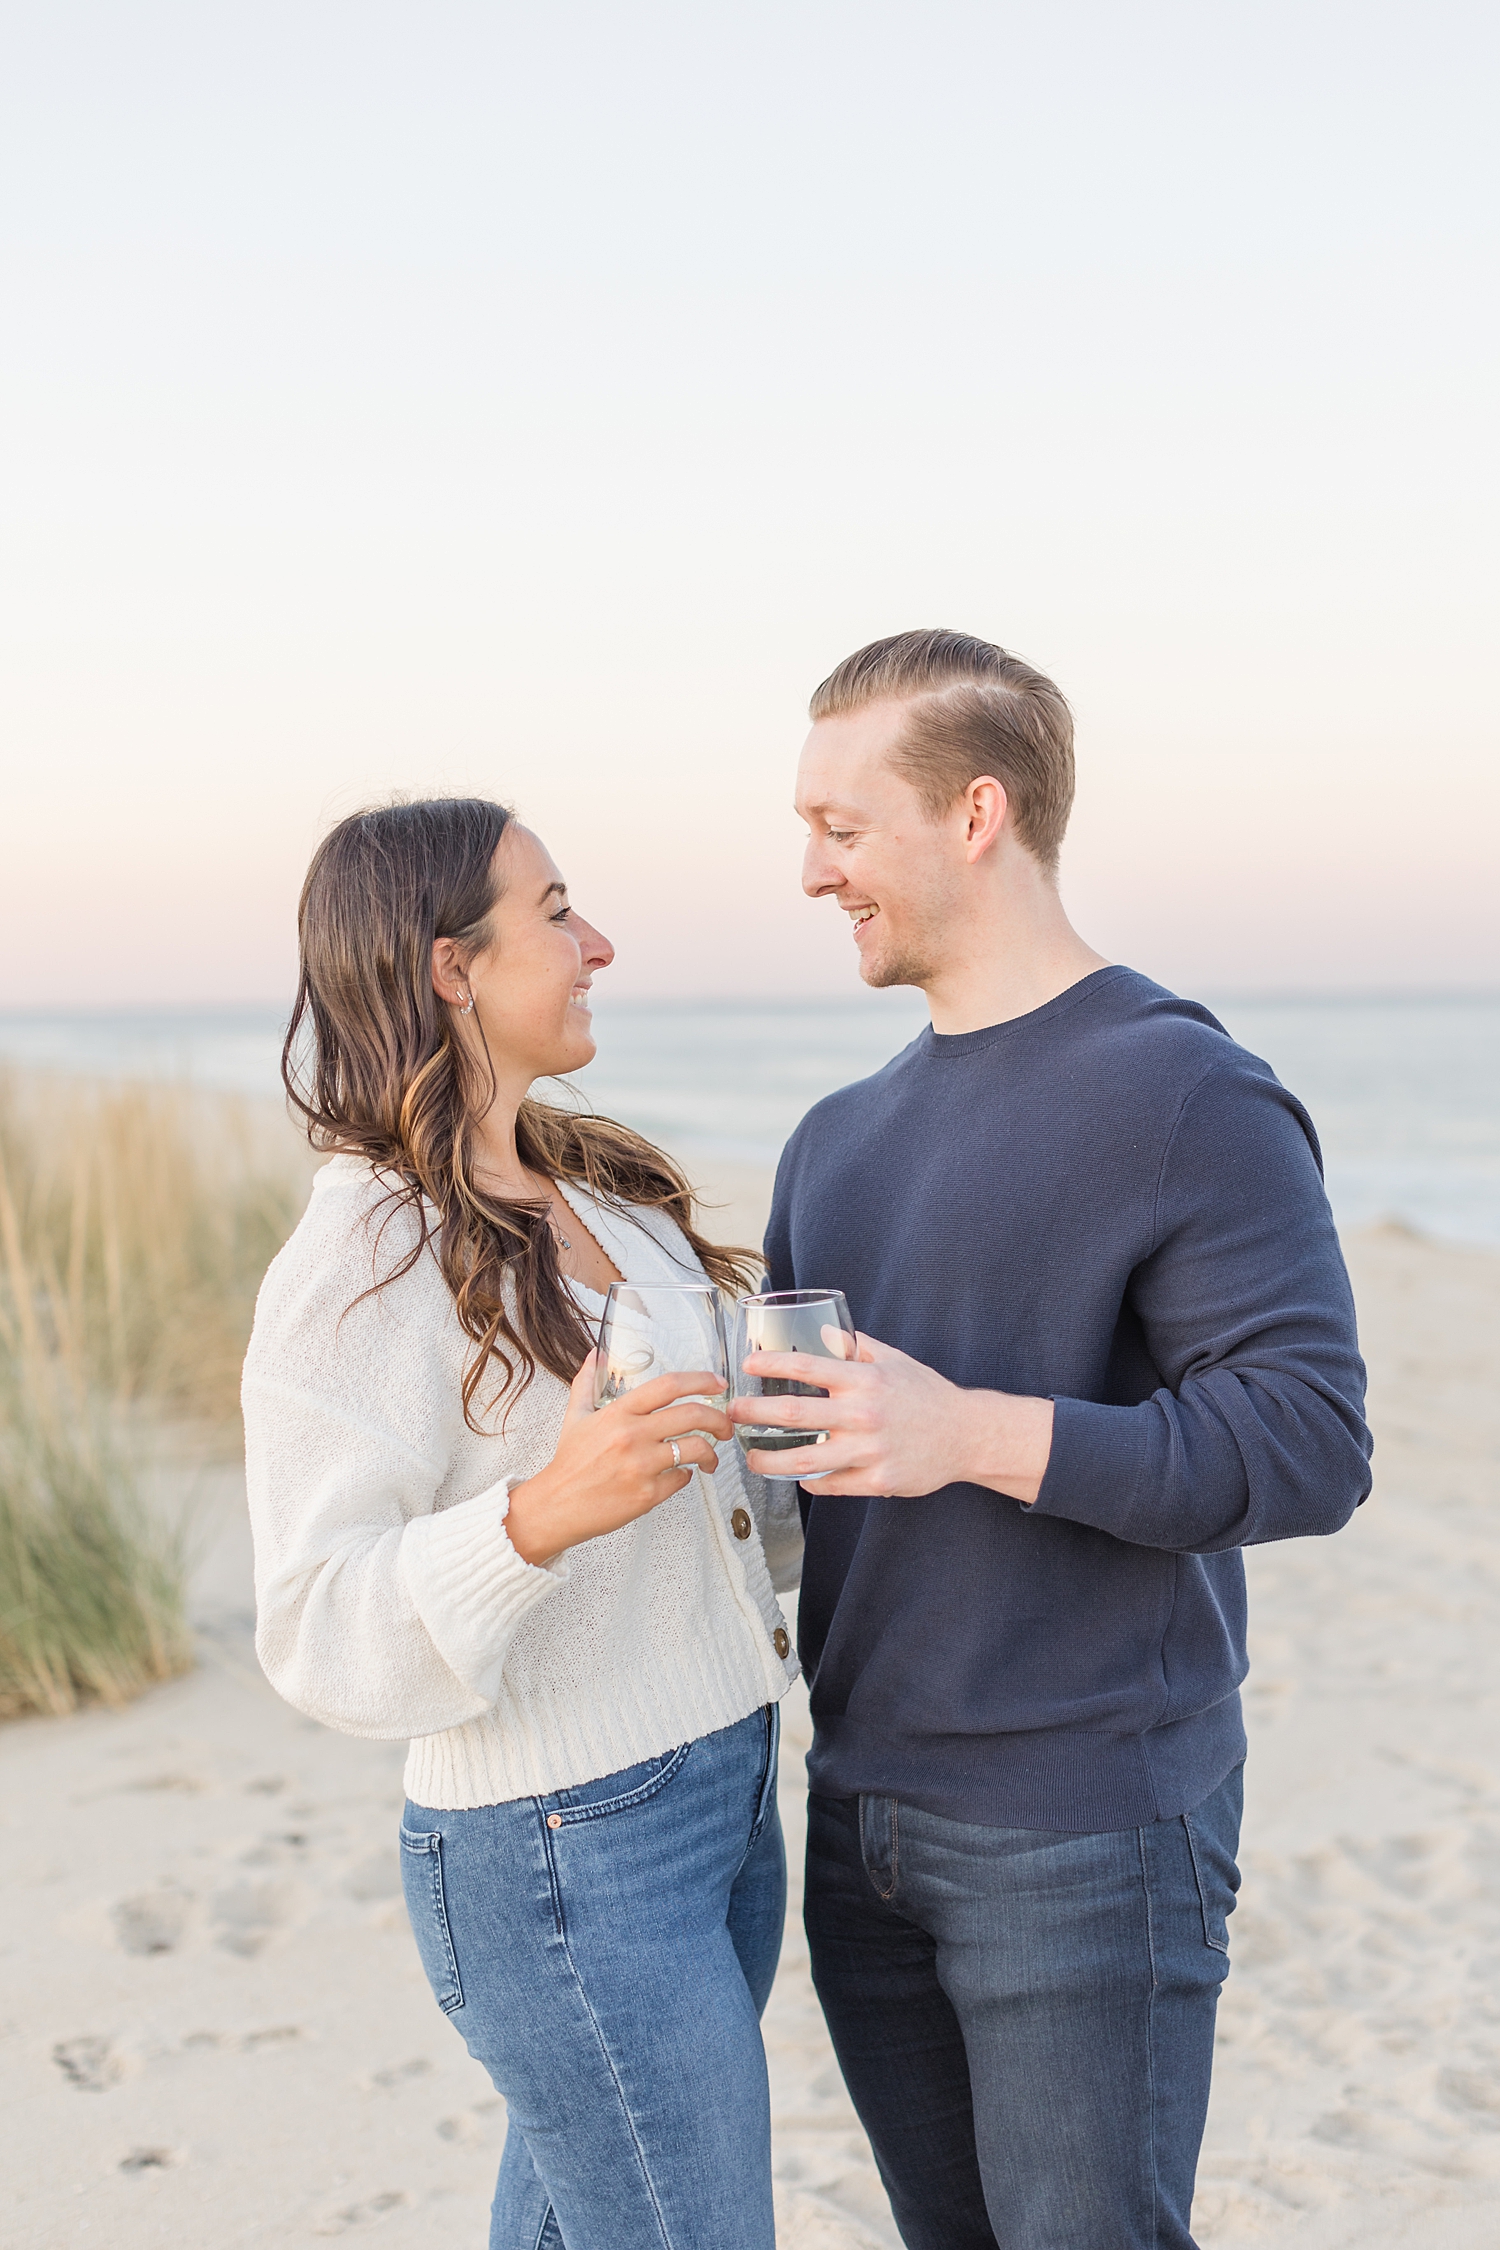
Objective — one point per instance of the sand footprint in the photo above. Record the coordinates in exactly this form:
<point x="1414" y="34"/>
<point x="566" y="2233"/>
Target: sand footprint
<point x="152" y="1921"/>
<point x="806" y="2222"/>
<point x="366" y="2213"/>
<point x="1411" y="1866"/>
<point x="474" y="2127"/>
<point x="242" y="2042"/>
<point x="271" y="1851"/>
<point x="1473" y="2095"/>
<point x="247" y="1914"/>
<point x="90" y="2064"/>
<point x="400" y="2074"/>
<point x="374" y="1879"/>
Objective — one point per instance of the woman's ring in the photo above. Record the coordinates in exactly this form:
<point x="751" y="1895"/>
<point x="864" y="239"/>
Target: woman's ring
<point x="676" y="1452"/>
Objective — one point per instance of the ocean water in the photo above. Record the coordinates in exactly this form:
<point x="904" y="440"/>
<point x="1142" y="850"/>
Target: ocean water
<point x="1405" y="1091"/>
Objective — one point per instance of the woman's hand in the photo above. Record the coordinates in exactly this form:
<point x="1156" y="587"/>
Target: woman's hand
<point x="614" y="1463"/>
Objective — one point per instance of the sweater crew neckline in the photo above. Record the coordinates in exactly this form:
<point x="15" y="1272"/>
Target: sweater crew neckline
<point x="944" y="1046"/>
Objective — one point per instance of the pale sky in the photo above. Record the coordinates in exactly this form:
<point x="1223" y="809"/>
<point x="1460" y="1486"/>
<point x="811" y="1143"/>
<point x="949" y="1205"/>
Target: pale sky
<point x="540" y="400"/>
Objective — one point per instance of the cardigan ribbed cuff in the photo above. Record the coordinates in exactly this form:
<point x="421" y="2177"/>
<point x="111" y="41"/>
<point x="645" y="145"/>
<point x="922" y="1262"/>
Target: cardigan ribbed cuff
<point x="470" y="1587"/>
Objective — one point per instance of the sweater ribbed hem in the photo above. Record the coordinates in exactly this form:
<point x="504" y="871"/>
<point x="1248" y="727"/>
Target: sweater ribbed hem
<point x="1056" y="1778"/>
<point x="470" y="1587"/>
<point x="560" y="1739"/>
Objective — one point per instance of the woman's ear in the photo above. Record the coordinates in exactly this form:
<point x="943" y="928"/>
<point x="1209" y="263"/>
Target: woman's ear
<point x="449" y="979"/>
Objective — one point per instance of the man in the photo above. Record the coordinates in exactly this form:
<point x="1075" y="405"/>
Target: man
<point x="1115" y="1345"/>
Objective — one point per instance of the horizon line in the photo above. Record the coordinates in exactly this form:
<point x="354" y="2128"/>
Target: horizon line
<point x="1281" y="995"/>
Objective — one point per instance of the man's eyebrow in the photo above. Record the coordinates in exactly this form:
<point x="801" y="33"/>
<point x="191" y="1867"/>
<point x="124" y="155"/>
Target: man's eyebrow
<point x="846" y="812"/>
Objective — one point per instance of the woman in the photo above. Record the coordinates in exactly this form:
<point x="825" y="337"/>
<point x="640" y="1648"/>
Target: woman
<point x="570" y="1611"/>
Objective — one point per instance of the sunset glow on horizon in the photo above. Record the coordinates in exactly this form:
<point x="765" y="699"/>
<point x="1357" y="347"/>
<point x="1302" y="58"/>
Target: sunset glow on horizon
<point x="541" y="403"/>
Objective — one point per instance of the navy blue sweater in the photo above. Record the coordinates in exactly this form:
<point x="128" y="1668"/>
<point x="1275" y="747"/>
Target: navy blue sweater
<point x="1108" y="1203"/>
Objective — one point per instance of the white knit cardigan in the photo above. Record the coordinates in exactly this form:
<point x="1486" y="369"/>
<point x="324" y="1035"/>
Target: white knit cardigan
<point x="390" y="1600"/>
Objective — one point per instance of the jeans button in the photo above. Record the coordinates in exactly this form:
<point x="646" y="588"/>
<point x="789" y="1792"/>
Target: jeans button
<point x="739" y="1524"/>
<point x="780" y="1642"/>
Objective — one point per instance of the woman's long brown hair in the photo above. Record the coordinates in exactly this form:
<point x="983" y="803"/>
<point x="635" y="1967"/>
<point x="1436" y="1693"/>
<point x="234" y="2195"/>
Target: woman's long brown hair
<point x="389" y="1079"/>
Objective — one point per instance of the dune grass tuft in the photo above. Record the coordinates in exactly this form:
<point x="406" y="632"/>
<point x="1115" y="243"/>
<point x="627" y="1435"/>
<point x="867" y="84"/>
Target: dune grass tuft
<point x="143" y="1218"/>
<point x="135" y="1224"/>
<point x="91" y="1588"/>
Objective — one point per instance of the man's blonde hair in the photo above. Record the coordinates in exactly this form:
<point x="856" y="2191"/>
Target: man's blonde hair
<point x="976" y="709"/>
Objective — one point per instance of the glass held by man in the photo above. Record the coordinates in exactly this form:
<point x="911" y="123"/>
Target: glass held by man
<point x="814" y="1322"/>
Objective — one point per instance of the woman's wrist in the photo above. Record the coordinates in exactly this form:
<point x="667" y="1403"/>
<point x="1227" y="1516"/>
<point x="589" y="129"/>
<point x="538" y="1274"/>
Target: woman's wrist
<point x="532" y="1522"/>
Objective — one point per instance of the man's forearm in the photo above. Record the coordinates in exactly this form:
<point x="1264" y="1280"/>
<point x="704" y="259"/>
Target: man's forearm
<point x="1005" y="1443"/>
<point x="899" y="1429"/>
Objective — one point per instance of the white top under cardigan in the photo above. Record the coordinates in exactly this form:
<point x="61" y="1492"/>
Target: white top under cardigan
<point x="390" y="1600"/>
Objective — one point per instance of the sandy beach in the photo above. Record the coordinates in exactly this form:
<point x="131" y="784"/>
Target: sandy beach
<point x="214" y="2029"/>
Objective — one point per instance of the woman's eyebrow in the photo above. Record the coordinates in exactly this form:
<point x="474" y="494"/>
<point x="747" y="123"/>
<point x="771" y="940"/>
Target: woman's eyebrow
<point x="553" y="890"/>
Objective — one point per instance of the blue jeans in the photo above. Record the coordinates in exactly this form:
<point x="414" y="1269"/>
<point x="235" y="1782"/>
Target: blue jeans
<point x="1024" y="2018"/>
<point x="606" y="1953"/>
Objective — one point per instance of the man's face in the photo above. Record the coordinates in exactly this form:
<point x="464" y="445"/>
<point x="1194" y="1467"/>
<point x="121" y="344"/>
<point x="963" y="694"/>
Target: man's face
<point x="897" y="873"/>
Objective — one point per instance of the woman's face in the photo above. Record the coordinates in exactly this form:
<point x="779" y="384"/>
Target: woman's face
<point x="531" y="982"/>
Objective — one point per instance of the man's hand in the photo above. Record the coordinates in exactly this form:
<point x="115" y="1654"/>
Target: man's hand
<point x="897" y="1428"/>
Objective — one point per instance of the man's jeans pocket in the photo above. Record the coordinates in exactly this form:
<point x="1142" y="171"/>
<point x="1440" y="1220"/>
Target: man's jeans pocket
<point x="422" y="1881"/>
<point x="1213" y="1834"/>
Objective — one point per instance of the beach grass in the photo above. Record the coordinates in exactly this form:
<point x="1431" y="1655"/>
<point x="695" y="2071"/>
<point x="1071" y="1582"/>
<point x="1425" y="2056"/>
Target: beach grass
<point x="91" y="1586"/>
<point x="136" y="1222"/>
<point x="135" y="1225"/>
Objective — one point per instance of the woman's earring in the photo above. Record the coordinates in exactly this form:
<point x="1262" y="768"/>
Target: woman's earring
<point x="468" y="1006"/>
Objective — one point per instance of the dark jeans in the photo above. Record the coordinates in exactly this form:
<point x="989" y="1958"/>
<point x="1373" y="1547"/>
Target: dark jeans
<point x="1024" y="2018"/>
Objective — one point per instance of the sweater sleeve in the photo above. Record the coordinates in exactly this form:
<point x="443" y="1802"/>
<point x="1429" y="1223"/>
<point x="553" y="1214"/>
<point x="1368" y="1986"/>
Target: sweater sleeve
<point x="778" y="1242"/>
<point x="377" y="1613"/>
<point x="1257" y="1430"/>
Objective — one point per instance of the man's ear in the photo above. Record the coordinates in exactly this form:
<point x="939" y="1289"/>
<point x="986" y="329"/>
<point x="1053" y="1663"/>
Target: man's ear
<point x="986" y="806"/>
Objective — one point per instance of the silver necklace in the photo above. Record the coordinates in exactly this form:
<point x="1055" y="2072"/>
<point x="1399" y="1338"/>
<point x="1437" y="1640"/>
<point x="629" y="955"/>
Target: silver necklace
<point x="563" y="1241"/>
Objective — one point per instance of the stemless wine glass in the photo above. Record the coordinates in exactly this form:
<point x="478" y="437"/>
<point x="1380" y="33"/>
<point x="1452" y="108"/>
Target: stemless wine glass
<point x="666" y="1328"/>
<point x="816" y="1321"/>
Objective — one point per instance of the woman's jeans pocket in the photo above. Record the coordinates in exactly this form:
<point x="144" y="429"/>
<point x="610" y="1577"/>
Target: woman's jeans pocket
<point x="613" y="1792"/>
<point x="766" y="1803"/>
<point x="1213" y="1834"/>
<point x="422" y="1881"/>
